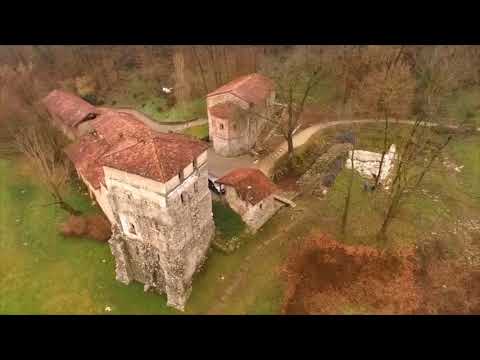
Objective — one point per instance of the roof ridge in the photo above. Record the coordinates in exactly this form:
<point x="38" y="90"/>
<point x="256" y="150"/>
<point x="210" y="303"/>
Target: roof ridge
<point x="160" y="165"/>
<point x="123" y="149"/>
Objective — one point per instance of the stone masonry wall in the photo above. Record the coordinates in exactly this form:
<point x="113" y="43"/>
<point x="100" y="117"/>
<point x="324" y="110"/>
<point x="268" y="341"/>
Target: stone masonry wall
<point x="241" y="138"/>
<point x="255" y="216"/>
<point x="171" y="236"/>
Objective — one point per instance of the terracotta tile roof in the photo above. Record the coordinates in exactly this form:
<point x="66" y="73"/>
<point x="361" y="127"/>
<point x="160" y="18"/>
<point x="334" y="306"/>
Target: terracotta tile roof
<point x="251" y="184"/>
<point x="225" y="110"/>
<point x="114" y="126"/>
<point x="160" y="157"/>
<point x="123" y="142"/>
<point x="85" y="154"/>
<point x="253" y="88"/>
<point x="70" y="108"/>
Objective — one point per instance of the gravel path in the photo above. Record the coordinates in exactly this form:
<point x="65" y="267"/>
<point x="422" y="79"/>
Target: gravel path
<point x="161" y="127"/>
<point x="267" y="164"/>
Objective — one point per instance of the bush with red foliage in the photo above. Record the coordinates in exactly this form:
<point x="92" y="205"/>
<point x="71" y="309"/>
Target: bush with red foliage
<point x="95" y="227"/>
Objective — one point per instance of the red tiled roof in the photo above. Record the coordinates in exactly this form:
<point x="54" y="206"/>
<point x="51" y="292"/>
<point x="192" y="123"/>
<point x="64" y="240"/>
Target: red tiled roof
<point x="160" y="157"/>
<point x="225" y="110"/>
<point x="70" y="108"/>
<point x="253" y="88"/>
<point x="114" y="126"/>
<point x="85" y="154"/>
<point x="122" y="142"/>
<point x="251" y="184"/>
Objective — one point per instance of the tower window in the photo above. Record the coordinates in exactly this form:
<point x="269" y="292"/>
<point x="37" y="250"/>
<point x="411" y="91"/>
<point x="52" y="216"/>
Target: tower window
<point x="261" y="206"/>
<point x="195" y="187"/>
<point x="131" y="229"/>
<point x="234" y="126"/>
<point x="180" y="175"/>
<point x="221" y="126"/>
<point x="128" y="226"/>
<point x="182" y="197"/>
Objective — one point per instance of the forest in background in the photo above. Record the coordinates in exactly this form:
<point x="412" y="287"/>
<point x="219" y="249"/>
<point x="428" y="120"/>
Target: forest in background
<point x="350" y="79"/>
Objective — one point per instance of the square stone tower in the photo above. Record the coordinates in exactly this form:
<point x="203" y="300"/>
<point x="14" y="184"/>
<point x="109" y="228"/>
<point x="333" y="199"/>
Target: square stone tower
<point x="155" y="188"/>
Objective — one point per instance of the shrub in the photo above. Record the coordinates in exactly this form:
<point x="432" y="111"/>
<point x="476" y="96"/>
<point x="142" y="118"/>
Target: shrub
<point x="95" y="227"/>
<point x="98" y="228"/>
<point x="74" y="226"/>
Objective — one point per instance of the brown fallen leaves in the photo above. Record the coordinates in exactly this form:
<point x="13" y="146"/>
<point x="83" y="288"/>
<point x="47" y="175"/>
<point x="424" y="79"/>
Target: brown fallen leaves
<point x="327" y="277"/>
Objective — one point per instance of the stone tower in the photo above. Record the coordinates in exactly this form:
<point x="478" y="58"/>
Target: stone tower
<point x="236" y="113"/>
<point x="163" y="228"/>
<point x="154" y="189"/>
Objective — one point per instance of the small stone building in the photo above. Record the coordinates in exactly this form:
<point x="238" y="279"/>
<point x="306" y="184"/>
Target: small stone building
<point x="153" y="187"/>
<point x="236" y="113"/>
<point x="252" y="195"/>
<point x="70" y="113"/>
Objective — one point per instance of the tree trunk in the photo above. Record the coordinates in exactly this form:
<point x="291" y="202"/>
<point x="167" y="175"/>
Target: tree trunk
<point x="63" y="204"/>
<point x="346" y="210"/>
<point x="382" y="234"/>
<point x="382" y="159"/>
<point x="290" y="151"/>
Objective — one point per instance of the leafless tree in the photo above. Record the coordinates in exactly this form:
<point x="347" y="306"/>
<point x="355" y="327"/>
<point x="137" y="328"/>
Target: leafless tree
<point x="423" y="146"/>
<point x="386" y="92"/>
<point x="296" y="77"/>
<point x="348" y="196"/>
<point x="41" y="145"/>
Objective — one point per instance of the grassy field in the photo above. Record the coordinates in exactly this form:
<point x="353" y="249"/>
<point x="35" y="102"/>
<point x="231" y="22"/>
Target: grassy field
<point x="147" y="98"/>
<point x="464" y="105"/>
<point x="41" y="272"/>
<point x="200" y="131"/>
<point x="445" y="196"/>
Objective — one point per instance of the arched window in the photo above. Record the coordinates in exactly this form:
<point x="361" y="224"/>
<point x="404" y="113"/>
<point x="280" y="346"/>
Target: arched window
<point x="183" y="198"/>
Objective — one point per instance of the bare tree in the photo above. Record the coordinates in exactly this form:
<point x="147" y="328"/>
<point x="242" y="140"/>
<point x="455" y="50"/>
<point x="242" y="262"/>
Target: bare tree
<point x="39" y="143"/>
<point x="386" y="92"/>
<point x="435" y="69"/>
<point x="296" y="77"/>
<point x="348" y="196"/>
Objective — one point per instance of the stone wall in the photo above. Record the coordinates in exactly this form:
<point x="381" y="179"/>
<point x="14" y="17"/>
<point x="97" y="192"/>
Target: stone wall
<point x="255" y="216"/>
<point x="161" y="239"/>
<point x="236" y="137"/>
<point x="222" y="98"/>
<point x="313" y="176"/>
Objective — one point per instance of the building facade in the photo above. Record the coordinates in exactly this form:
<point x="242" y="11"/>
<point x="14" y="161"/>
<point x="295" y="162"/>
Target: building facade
<point x="252" y="195"/>
<point x="237" y="113"/>
<point x="153" y="188"/>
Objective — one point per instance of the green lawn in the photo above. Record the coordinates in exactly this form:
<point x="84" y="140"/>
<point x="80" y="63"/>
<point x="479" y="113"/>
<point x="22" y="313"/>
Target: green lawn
<point x="42" y="272"/>
<point x="147" y="97"/>
<point x="444" y="196"/>
<point x="200" y="131"/>
<point x="464" y="105"/>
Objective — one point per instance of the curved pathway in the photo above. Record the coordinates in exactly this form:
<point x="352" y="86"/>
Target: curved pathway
<point x="157" y="126"/>
<point x="267" y="164"/>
